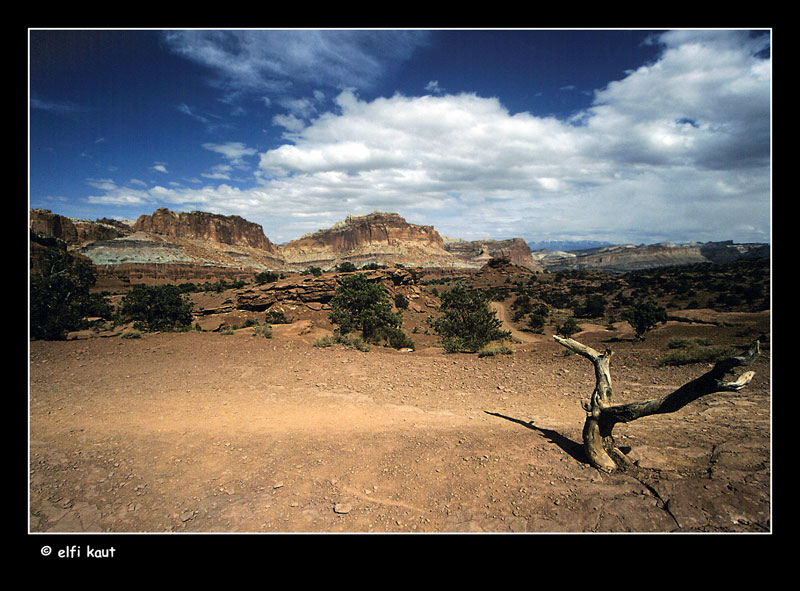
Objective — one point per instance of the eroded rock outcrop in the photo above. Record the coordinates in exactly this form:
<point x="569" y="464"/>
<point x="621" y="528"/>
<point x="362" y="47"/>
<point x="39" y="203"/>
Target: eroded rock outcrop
<point x="623" y="258"/>
<point x="481" y="252"/>
<point x="75" y="231"/>
<point x="201" y="225"/>
<point x="377" y="237"/>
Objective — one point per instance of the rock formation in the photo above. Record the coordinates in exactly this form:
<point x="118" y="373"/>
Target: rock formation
<point x="74" y="231"/>
<point x="199" y="246"/>
<point x="623" y="258"/>
<point x="384" y="238"/>
<point x="201" y="225"/>
<point x="480" y="252"/>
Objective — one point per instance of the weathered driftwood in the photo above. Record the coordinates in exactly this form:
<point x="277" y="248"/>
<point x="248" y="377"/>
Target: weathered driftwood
<point x="601" y="416"/>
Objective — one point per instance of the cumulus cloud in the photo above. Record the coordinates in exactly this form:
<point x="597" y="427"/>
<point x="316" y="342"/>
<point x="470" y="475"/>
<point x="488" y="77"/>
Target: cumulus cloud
<point x="676" y="150"/>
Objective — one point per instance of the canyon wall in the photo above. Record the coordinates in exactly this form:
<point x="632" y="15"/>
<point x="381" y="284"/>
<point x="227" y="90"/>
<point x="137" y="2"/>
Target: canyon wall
<point x="201" y="225"/>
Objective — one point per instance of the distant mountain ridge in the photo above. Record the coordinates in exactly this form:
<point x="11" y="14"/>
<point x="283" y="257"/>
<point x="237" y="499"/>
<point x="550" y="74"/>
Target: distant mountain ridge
<point x="622" y="258"/>
<point x="566" y="245"/>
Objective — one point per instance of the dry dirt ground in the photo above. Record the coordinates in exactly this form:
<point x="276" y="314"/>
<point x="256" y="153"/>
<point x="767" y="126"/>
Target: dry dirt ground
<point x="207" y="432"/>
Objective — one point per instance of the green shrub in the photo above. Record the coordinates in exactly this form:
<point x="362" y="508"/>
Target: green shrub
<point x="466" y="323"/>
<point x="348" y="340"/>
<point x="536" y="322"/>
<point x="362" y="305"/>
<point x="396" y="338"/>
<point x="594" y="307"/>
<point x="266" y="277"/>
<point x="645" y="316"/>
<point x="694" y="353"/>
<point x="276" y="317"/>
<point x="401" y="301"/>
<point x="263" y="331"/>
<point x="59" y="295"/>
<point x="568" y="328"/>
<point x="345" y="267"/>
<point x="156" y="307"/>
<point x="372" y="266"/>
<point x="493" y="350"/>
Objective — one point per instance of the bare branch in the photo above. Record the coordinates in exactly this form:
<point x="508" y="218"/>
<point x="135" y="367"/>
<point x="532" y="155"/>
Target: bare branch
<point x="601" y="416"/>
<point x="708" y="383"/>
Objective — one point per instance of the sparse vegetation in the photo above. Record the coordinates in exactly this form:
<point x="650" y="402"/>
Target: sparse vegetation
<point x="348" y="340"/>
<point x="60" y="297"/>
<point x="465" y="322"/>
<point x="492" y="350"/>
<point x="645" y="316"/>
<point x="263" y="330"/>
<point x="688" y="351"/>
<point x="368" y="404"/>
<point x="156" y="308"/>
<point x="363" y="305"/>
<point x="267" y="277"/>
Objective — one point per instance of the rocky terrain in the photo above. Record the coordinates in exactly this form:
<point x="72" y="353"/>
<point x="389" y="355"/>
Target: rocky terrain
<point x="196" y="243"/>
<point x="169" y="246"/>
<point x="199" y="225"/>
<point x="222" y="430"/>
<point x="231" y="432"/>
<point x="482" y="251"/>
<point x="378" y="237"/>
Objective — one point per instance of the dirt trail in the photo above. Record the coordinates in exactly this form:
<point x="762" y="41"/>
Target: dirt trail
<point x="518" y="335"/>
<point x="205" y="432"/>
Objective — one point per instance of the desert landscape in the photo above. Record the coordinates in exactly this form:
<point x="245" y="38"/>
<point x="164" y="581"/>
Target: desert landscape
<point x="222" y="429"/>
<point x="140" y="435"/>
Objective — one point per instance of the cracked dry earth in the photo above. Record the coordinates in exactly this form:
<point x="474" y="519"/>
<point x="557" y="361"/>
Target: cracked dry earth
<point x="205" y="432"/>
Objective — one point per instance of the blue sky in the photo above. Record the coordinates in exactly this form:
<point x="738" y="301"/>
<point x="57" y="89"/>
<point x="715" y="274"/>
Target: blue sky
<point x="623" y="136"/>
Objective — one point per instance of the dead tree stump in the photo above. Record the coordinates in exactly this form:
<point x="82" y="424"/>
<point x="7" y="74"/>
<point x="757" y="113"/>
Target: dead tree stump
<point x="602" y="416"/>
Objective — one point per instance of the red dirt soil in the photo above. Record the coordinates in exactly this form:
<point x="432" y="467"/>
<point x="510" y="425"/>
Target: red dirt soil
<point x="207" y="432"/>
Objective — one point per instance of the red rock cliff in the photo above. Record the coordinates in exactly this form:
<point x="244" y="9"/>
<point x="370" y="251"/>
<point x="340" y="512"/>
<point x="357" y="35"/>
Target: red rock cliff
<point x="73" y="231"/>
<point x="376" y="228"/>
<point x="201" y="225"/>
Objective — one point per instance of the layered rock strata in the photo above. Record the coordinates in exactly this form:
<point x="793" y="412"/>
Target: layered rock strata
<point x="377" y="237"/>
<point x="200" y="225"/>
<point x="480" y="252"/>
<point x="74" y="231"/>
<point x="623" y="258"/>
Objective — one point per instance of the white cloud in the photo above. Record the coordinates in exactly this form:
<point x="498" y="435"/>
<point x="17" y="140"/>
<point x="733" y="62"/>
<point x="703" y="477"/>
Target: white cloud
<point x="677" y="150"/>
<point x="104" y="184"/>
<point x="234" y="152"/>
<point x="219" y="172"/>
<point x="159" y="167"/>
<point x="289" y="122"/>
<point x="433" y="87"/>
<point x="273" y="60"/>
